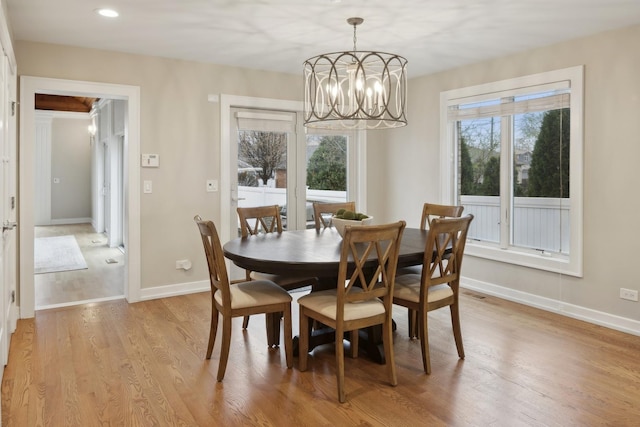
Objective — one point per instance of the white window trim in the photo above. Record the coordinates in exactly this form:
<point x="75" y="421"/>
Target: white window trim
<point x="571" y="265"/>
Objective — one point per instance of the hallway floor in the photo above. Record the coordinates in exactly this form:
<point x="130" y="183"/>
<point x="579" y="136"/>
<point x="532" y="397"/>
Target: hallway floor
<point x="101" y="280"/>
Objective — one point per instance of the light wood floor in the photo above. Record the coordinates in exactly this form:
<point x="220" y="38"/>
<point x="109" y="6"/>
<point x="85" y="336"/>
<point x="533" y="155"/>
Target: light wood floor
<point x="100" y="280"/>
<point x="143" y="365"/>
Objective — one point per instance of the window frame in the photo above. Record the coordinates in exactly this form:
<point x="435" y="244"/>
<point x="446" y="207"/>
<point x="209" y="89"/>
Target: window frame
<point x="573" y="263"/>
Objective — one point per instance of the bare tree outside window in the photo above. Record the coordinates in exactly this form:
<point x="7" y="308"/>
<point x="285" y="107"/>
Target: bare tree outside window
<point x="264" y="151"/>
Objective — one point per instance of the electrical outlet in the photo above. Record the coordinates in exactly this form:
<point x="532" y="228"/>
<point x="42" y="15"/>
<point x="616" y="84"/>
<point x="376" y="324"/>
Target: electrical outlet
<point x="629" y="294"/>
<point x="183" y="264"/>
<point x="212" y="185"/>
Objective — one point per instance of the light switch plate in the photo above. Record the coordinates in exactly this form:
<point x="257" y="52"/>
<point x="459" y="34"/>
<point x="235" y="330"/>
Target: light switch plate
<point x="147" y="187"/>
<point x="150" y="160"/>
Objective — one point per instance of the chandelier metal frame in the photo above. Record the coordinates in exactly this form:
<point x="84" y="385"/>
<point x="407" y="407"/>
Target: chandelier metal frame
<point x="355" y="89"/>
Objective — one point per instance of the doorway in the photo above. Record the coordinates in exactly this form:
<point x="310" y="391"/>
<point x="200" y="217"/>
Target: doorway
<point x="70" y="187"/>
<point x="30" y="86"/>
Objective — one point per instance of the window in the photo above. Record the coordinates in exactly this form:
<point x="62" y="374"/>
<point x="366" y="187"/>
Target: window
<point x="512" y="156"/>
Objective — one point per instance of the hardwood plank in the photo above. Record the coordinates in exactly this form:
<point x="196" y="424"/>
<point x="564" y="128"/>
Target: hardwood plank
<point x="143" y="364"/>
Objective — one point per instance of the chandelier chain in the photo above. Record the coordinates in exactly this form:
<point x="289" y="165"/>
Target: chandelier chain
<point x="354" y="38"/>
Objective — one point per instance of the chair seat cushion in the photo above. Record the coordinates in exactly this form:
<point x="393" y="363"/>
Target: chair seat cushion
<point x="255" y="294"/>
<point x="407" y="287"/>
<point x="324" y="302"/>
<point x="287" y="282"/>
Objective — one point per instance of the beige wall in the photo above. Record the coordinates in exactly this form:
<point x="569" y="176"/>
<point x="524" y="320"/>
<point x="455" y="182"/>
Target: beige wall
<point x="177" y="122"/>
<point x="71" y="164"/>
<point x="409" y="159"/>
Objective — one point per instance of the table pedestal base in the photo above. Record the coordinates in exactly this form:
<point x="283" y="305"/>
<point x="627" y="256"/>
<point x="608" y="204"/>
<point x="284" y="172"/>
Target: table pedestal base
<point x="369" y="343"/>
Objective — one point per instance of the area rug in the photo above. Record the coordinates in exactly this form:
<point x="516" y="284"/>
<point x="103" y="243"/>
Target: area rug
<point x="54" y="254"/>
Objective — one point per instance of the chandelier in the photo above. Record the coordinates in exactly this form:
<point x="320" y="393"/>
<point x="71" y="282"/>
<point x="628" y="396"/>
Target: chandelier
<point x="356" y="89"/>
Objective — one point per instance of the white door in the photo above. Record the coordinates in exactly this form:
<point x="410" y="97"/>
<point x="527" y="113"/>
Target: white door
<point x="118" y="239"/>
<point x="276" y="116"/>
<point x="106" y="187"/>
<point x="7" y="209"/>
<point x="264" y="170"/>
<point x="113" y="172"/>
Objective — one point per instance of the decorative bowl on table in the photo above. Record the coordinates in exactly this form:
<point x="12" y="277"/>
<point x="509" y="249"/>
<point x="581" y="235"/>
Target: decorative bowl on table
<point x="340" y="222"/>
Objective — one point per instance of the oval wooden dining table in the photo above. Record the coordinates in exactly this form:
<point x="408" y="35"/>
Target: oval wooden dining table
<point x="315" y="253"/>
<point x="309" y="252"/>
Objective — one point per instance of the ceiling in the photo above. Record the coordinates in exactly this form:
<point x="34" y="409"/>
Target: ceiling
<point x="433" y="35"/>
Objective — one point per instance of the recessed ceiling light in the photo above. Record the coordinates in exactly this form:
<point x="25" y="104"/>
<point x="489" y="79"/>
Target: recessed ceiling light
<point x="108" y="13"/>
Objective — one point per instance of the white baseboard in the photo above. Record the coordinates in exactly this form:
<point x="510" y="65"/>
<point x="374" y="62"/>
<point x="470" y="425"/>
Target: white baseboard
<point x="174" y="290"/>
<point x="574" y="311"/>
<point x="66" y="221"/>
<point x="577" y="312"/>
<point x="147" y="294"/>
<point x="74" y="303"/>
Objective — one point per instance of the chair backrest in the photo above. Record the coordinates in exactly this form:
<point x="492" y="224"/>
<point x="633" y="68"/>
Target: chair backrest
<point x="320" y="208"/>
<point x="215" y="259"/>
<point x="373" y="249"/>
<point x="444" y="250"/>
<point x="431" y="211"/>
<point x="260" y="219"/>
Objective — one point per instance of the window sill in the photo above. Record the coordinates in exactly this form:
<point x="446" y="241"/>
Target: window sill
<point x="555" y="263"/>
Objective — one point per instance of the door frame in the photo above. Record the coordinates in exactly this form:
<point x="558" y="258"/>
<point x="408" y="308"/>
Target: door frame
<point x="29" y="86"/>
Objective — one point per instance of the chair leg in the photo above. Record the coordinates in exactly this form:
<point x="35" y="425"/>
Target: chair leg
<point x="413" y="323"/>
<point x="224" y="350"/>
<point x="354" y="339"/>
<point x="457" y="331"/>
<point x="288" y="337"/>
<point x="213" y="330"/>
<point x="303" y="342"/>
<point x="273" y="329"/>
<point x="245" y="321"/>
<point x="387" y="337"/>
<point x="424" y="340"/>
<point x="276" y="328"/>
<point x="340" y="363"/>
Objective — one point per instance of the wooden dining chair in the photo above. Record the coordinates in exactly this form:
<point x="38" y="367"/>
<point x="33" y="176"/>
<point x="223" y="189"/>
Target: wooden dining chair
<point x="430" y="211"/>
<point x="267" y="219"/>
<point x="438" y="284"/>
<point x="322" y="212"/>
<point x="362" y="297"/>
<point x="242" y="299"/>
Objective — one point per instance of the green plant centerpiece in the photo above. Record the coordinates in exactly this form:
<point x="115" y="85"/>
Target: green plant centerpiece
<point x="343" y="217"/>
